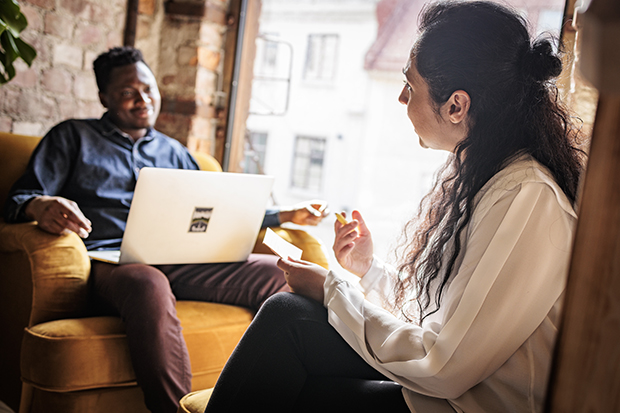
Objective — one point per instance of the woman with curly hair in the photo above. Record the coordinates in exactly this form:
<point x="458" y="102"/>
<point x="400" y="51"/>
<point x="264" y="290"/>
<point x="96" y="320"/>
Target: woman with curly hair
<point x="468" y="320"/>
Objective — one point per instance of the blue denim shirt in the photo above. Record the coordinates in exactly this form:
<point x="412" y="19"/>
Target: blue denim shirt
<point x="91" y="162"/>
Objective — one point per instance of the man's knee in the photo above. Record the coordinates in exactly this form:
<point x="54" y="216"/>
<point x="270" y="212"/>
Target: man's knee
<point x="144" y="285"/>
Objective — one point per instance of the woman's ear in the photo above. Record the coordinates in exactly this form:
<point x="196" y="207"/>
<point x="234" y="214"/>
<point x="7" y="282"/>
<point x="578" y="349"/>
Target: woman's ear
<point x="457" y="107"/>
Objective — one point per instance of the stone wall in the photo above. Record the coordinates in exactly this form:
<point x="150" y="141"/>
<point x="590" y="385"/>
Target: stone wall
<point x="67" y="35"/>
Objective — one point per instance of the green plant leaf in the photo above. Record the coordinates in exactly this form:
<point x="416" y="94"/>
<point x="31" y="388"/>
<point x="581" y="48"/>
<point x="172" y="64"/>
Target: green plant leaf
<point x="26" y="52"/>
<point x="11" y="15"/>
<point x="10" y="48"/>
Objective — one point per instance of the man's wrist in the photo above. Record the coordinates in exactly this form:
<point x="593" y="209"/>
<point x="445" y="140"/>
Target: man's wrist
<point x="285" y="215"/>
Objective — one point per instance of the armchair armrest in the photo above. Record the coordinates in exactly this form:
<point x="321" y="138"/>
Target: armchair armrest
<point x="59" y="267"/>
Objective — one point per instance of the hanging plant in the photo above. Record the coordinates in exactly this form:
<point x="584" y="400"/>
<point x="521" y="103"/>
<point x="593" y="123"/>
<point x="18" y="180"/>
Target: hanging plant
<point x="12" y="22"/>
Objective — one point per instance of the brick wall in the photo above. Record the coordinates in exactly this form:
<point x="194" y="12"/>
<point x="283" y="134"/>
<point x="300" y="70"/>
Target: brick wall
<point x="67" y="35"/>
<point x="182" y="42"/>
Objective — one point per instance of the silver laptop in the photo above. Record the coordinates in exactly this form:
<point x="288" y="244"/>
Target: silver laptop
<point x="189" y="217"/>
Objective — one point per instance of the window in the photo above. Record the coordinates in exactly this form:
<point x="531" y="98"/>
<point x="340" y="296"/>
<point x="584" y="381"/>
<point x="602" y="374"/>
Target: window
<point x="269" y="59"/>
<point x="549" y="21"/>
<point x="321" y="57"/>
<point x="308" y="163"/>
<point x="254" y="153"/>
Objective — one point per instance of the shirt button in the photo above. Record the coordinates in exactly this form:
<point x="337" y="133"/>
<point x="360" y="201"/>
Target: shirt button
<point x="137" y="170"/>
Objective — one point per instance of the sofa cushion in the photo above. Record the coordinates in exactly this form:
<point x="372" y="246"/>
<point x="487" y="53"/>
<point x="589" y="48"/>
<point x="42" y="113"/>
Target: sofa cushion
<point x="87" y="353"/>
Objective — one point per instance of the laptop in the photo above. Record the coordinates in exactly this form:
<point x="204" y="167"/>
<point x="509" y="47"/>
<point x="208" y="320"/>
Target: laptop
<point x="189" y="217"/>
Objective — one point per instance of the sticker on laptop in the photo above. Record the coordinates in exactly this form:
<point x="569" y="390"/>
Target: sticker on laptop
<point x="200" y="219"/>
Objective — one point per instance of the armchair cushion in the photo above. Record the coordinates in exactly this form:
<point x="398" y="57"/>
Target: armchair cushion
<point x="86" y="353"/>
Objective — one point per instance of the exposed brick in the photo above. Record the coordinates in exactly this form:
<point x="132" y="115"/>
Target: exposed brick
<point x="34" y="106"/>
<point x="206" y="12"/>
<point x="85" y="87"/>
<point x="211" y="34"/>
<point x="209" y="59"/>
<point x="28" y="128"/>
<point x="45" y="4"/>
<point x="187" y="56"/>
<point x="57" y="80"/>
<point x="143" y="29"/>
<point x="67" y="54"/>
<point x="10" y="99"/>
<point x="25" y="76"/>
<point x="201" y="128"/>
<point x="179" y="106"/>
<point x="87" y="34"/>
<point x="5" y="124"/>
<point x="89" y="58"/>
<point x="35" y="22"/>
<point x="59" y="25"/>
<point x="102" y="12"/>
<point x="67" y="107"/>
<point x="173" y="125"/>
<point x="78" y="8"/>
<point x="89" y="110"/>
<point x="115" y="38"/>
<point x="41" y="45"/>
<point x="146" y="7"/>
<point x="205" y="81"/>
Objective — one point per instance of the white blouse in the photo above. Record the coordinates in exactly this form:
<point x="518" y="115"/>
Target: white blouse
<point x="489" y="347"/>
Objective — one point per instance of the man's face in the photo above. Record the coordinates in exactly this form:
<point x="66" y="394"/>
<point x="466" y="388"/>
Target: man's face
<point x="132" y="99"/>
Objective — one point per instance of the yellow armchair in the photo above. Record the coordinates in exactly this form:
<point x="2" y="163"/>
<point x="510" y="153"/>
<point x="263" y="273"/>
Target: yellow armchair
<point x="68" y="360"/>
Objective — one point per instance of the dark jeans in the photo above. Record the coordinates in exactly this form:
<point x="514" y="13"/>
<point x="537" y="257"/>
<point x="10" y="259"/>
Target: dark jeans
<point x="291" y="360"/>
<point x="145" y="298"/>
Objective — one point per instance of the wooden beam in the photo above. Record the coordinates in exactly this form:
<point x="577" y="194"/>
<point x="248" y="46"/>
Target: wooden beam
<point x="586" y="370"/>
<point x="131" y="23"/>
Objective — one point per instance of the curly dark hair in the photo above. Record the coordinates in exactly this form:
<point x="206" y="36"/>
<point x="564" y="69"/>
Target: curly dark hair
<point x="484" y="49"/>
<point x="115" y="57"/>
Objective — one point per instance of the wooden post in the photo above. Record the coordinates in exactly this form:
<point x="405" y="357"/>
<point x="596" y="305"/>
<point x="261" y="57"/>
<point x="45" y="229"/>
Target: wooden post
<point x="131" y="23"/>
<point x="586" y="370"/>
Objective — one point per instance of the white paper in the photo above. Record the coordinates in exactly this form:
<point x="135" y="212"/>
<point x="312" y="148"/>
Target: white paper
<point x="280" y="246"/>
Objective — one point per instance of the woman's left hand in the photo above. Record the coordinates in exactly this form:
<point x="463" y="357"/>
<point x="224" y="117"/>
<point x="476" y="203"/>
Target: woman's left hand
<point x="304" y="277"/>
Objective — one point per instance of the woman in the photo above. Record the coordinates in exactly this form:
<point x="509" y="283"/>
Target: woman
<point x="468" y="321"/>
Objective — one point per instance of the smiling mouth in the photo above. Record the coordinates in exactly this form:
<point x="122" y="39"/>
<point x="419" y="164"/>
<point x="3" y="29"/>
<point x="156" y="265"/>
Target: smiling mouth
<point x="143" y="113"/>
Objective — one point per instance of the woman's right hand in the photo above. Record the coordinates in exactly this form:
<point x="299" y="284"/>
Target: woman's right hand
<point x="353" y="245"/>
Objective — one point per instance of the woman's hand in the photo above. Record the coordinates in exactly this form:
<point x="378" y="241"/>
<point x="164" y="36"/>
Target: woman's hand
<point x="304" y="278"/>
<point x="353" y="245"/>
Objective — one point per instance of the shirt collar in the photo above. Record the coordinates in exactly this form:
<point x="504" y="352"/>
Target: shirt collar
<point x="108" y="129"/>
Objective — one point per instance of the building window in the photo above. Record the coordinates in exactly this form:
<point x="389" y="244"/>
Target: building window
<point x="308" y="163"/>
<point x="321" y="57"/>
<point x="254" y="153"/>
<point x="549" y="21"/>
<point x="269" y="60"/>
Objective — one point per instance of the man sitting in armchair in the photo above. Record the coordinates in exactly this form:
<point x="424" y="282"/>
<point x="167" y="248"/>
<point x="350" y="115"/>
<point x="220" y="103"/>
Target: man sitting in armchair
<point x="81" y="178"/>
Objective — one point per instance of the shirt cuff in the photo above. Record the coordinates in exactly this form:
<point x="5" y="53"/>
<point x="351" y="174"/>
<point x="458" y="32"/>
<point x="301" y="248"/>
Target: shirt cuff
<point x="272" y="218"/>
<point x="373" y="275"/>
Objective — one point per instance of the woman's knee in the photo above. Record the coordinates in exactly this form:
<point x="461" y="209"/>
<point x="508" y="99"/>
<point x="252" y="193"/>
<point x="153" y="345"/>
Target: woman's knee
<point x="291" y="306"/>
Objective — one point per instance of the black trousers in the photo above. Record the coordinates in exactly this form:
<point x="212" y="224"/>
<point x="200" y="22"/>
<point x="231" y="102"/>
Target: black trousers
<point x="291" y="360"/>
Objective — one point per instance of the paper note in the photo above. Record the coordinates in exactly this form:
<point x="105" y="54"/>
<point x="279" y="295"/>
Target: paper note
<point x="280" y="246"/>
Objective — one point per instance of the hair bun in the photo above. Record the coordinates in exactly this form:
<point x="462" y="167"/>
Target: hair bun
<point x="540" y="63"/>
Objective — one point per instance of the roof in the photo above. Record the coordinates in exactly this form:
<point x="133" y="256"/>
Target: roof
<point x="398" y="26"/>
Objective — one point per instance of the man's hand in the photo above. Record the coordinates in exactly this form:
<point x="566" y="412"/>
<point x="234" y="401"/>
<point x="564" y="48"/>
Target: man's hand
<point x="304" y="278"/>
<point x="58" y="215"/>
<point x="305" y="213"/>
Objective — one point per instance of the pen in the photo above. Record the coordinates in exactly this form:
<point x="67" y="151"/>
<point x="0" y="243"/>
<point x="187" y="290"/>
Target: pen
<point x="341" y="219"/>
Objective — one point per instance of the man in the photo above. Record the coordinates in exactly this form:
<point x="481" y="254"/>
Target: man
<point x="81" y="178"/>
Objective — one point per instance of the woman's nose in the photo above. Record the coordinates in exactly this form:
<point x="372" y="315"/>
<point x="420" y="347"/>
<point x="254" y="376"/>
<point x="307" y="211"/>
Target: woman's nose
<point x="403" y="97"/>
